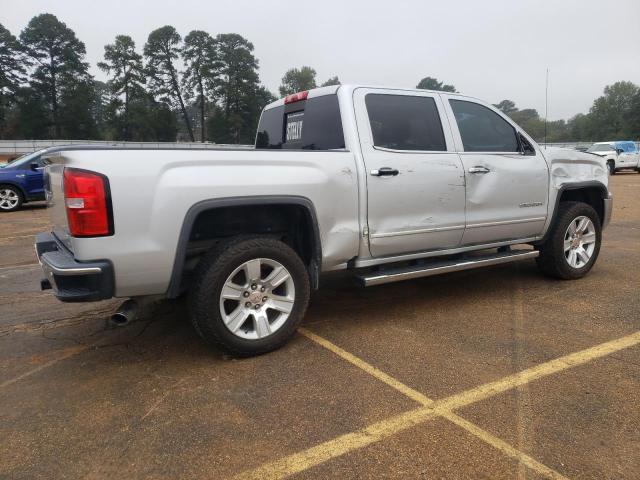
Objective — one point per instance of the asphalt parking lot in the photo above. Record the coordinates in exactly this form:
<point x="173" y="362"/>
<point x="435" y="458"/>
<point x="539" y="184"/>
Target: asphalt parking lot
<point x="491" y="373"/>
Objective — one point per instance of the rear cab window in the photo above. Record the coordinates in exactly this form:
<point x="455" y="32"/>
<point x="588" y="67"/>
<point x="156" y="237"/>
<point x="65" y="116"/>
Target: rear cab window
<point x="310" y="124"/>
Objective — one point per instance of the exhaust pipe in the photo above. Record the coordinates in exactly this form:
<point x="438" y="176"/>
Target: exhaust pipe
<point x="126" y="313"/>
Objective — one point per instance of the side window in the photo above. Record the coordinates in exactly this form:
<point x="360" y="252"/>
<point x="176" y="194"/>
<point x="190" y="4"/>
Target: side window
<point x="403" y="122"/>
<point x="482" y="129"/>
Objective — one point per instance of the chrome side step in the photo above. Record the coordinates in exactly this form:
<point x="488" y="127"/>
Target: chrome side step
<point x="437" y="268"/>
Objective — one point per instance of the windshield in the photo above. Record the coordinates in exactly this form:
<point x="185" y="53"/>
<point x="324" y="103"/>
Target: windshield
<point x="23" y="161"/>
<point x="602" y="147"/>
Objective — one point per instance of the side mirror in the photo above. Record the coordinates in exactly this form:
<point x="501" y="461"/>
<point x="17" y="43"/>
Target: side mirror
<point x="34" y="166"/>
<point x="619" y="151"/>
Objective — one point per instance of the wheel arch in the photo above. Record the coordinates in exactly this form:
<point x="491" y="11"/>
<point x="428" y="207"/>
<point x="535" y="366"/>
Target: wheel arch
<point x="16" y="185"/>
<point x="592" y="193"/>
<point x="219" y="206"/>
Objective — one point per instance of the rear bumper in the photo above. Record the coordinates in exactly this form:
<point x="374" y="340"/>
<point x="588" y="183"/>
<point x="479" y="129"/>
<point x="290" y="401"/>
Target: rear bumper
<point x="608" y="210"/>
<point x="71" y="280"/>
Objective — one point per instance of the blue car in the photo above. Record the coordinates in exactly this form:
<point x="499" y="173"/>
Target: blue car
<point x="22" y="181"/>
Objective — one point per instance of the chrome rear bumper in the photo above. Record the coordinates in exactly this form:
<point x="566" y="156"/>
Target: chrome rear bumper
<point x="71" y="280"/>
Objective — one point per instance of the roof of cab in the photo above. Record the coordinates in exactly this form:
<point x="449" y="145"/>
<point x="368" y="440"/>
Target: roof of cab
<point x="317" y="92"/>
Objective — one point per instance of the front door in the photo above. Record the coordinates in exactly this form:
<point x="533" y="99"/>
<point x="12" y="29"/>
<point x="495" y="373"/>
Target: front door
<point x="507" y="177"/>
<point x="415" y="180"/>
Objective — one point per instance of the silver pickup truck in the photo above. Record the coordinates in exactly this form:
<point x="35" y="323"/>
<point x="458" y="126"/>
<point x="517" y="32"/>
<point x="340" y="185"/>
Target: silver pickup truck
<point x="385" y="183"/>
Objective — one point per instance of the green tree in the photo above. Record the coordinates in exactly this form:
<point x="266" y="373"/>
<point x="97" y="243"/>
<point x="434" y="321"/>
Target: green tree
<point x="297" y="80"/>
<point x="506" y="106"/>
<point x="578" y="128"/>
<point x="127" y="82"/>
<point x="237" y="90"/>
<point x="28" y="119"/>
<point x="632" y="117"/>
<point x="78" y="105"/>
<point x="609" y="115"/>
<point x="12" y="74"/>
<point x="331" y="81"/>
<point x="56" y="56"/>
<point x="161" y="51"/>
<point x="201" y="73"/>
<point x="430" y="83"/>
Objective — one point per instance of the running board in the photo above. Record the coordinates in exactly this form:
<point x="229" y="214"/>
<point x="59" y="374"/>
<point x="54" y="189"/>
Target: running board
<point x="437" y="268"/>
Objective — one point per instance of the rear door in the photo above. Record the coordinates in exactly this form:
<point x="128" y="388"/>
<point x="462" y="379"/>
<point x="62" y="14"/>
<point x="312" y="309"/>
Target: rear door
<point x="415" y="181"/>
<point x="507" y="177"/>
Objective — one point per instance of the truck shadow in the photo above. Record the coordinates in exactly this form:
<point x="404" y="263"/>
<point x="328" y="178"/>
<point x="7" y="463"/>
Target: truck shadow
<point x="166" y="327"/>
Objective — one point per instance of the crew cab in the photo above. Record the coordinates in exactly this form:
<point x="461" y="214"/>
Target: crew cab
<point x="385" y="184"/>
<point x="622" y="155"/>
<point x="21" y="181"/>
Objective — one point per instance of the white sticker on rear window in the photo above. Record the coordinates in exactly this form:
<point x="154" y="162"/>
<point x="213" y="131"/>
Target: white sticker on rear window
<point x="294" y="127"/>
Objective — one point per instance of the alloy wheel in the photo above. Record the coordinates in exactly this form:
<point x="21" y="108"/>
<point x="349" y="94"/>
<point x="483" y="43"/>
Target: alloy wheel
<point x="579" y="241"/>
<point x="257" y="298"/>
<point x="8" y="199"/>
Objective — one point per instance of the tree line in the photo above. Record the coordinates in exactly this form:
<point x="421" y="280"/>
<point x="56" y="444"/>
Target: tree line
<point x="197" y="88"/>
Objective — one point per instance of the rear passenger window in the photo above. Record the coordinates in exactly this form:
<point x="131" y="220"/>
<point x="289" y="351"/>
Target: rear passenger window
<point x="482" y="129"/>
<point x="403" y="122"/>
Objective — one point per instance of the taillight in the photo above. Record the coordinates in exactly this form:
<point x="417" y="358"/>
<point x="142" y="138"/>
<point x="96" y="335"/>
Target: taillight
<point x="296" y="97"/>
<point x="88" y="203"/>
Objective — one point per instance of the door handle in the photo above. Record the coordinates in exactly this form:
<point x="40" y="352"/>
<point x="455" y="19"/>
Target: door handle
<point x="385" y="172"/>
<point x="479" y="169"/>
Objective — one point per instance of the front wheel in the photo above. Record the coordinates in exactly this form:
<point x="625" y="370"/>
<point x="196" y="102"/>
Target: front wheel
<point x="612" y="168"/>
<point x="10" y="198"/>
<point x="249" y="295"/>
<point x="573" y="244"/>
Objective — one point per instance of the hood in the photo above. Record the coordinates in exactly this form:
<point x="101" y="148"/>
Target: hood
<point x="603" y="154"/>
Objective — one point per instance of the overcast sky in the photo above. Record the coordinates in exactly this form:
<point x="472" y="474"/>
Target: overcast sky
<point x="488" y="49"/>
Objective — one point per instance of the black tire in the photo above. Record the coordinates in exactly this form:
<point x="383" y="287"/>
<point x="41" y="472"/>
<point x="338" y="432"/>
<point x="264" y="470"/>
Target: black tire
<point x="552" y="260"/>
<point x="16" y="191"/>
<point x="210" y="277"/>
<point x="612" y="167"/>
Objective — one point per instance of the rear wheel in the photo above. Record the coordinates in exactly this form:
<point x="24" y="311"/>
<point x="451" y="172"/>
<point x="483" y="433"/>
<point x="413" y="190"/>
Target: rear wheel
<point x="573" y="244"/>
<point x="249" y="295"/>
<point x="10" y="198"/>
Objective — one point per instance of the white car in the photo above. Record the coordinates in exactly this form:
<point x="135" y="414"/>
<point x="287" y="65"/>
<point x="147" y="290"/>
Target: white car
<point x="618" y="155"/>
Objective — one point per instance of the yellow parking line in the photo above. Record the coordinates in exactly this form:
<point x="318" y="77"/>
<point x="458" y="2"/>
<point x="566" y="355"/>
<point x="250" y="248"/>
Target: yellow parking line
<point x="301" y="461"/>
<point x="343" y="444"/>
<point x="370" y="369"/>
<point x="427" y="402"/>
<point x="503" y="446"/>
<point x="539" y="371"/>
